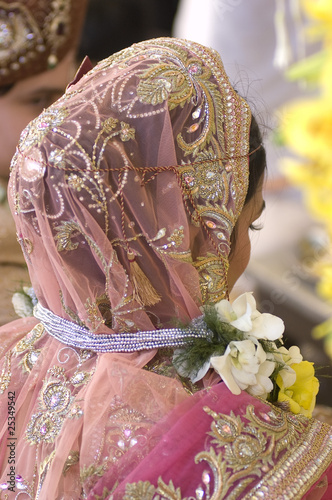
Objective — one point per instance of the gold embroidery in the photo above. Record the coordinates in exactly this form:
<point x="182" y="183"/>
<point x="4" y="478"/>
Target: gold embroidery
<point x="72" y="459"/>
<point x="163" y="82"/>
<point x="206" y="177"/>
<point x="56" y="402"/>
<point x="120" y="438"/>
<point x="106" y="494"/>
<point x="44" y="426"/>
<point x="27" y="344"/>
<point x="90" y="471"/>
<point x="266" y="452"/>
<point x="126" y="133"/>
<point x="213" y="278"/>
<point x="35" y="132"/>
<point x="43" y="469"/>
<point x="94" y="315"/>
<point x="176" y="237"/>
<point x="70" y="313"/>
<point x="28" y="341"/>
<point x="65" y="232"/>
<point x="140" y="491"/>
<point x="5" y="374"/>
<point x="75" y="182"/>
<point x="214" y="144"/>
<point x="110" y="124"/>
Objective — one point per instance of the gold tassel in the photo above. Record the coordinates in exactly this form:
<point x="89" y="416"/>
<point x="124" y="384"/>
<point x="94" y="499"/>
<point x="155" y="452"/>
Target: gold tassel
<point x="143" y="290"/>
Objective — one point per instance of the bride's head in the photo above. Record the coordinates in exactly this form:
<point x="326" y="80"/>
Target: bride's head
<point x="126" y="192"/>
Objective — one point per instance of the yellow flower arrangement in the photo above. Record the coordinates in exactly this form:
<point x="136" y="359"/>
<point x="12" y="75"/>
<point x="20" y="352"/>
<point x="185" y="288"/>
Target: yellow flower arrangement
<point x="301" y="396"/>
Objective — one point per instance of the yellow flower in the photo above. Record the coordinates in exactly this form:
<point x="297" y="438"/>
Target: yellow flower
<point x="307" y="128"/>
<point x="301" y="396"/>
<point x="323" y="329"/>
<point x="320" y="11"/>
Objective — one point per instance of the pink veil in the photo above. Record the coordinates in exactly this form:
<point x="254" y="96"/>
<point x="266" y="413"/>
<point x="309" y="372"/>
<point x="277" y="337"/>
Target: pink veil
<point x="144" y="159"/>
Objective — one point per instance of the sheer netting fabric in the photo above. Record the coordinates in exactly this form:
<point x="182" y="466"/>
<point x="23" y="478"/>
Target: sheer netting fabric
<point x="148" y="156"/>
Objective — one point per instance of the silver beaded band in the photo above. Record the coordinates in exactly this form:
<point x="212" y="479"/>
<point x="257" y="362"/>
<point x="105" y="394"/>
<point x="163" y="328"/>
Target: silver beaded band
<point x="71" y="334"/>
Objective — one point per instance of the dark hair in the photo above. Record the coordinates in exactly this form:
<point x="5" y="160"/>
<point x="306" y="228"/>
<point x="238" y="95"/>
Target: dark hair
<point x="257" y="159"/>
<point x="104" y="32"/>
<point x="257" y="167"/>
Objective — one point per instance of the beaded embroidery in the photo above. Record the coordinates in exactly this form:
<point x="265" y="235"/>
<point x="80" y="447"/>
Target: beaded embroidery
<point x="73" y="335"/>
<point x="97" y="166"/>
<point x="56" y="400"/>
<point x="274" y="446"/>
<point x="36" y="35"/>
<point x="27" y="345"/>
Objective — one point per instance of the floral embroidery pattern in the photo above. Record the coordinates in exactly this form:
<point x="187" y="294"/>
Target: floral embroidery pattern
<point x="133" y="427"/>
<point x="212" y="167"/>
<point x="40" y="126"/>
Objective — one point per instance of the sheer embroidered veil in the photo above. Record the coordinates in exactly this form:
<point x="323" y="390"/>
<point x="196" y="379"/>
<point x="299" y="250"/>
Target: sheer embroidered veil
<point x="125" y="192"/>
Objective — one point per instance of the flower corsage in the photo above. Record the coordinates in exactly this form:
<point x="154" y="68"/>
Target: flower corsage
<point x="245" y="347"/>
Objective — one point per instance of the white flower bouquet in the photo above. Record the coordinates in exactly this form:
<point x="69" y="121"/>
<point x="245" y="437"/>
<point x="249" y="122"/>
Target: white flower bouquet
<point x="246" y="349"/>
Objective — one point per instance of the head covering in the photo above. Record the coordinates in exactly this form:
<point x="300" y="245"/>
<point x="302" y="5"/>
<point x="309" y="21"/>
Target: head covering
<point x="36" y="34"/>
<point x="126" y="191"/>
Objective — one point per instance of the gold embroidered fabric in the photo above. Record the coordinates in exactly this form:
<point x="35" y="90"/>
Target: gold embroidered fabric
<point x="36" y="34"/>
<point x="268" y="454"/>
<point x="147" y="155"/>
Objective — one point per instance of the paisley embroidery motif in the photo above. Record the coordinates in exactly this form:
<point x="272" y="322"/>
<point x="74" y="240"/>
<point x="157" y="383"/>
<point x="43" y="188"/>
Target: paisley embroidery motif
<point x="56" y="400"/>
<point x="212" y="278"/>
<point x="54" y="404"/>
<point x="27" y="344"/>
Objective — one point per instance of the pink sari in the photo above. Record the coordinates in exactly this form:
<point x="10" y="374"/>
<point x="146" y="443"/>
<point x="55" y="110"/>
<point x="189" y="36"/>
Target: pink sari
<point x="125" y="193"/>
<point x="217" y="445"/>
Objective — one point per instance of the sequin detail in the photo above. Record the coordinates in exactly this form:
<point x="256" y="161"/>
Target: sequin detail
<point x="27" y="349"/>
<point x="254" y="457"/>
